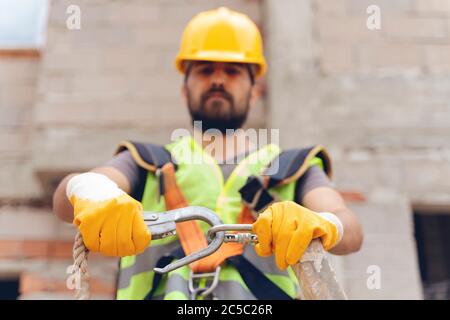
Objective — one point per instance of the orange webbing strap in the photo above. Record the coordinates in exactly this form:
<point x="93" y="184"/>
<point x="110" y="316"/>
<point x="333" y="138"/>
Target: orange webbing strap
<point x="189" y="232"/>
<point x="191" y="236"/>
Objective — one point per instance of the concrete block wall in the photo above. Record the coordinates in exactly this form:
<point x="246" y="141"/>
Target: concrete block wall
<point x="18" y="79"/>
<point x="111" y="80"/>
<point x="378" y="100"/>
<point x="114" y="78"/>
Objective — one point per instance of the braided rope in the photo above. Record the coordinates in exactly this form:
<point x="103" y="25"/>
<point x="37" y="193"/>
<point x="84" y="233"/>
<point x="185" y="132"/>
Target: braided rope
<point x="316" y="283"/>
<point x="80" y="268"/>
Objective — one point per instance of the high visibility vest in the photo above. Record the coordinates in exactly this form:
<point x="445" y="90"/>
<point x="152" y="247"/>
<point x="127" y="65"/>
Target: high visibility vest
<point x="202" y="183"/>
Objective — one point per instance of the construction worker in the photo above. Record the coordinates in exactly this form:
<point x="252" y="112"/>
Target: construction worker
<point x="220" y="57"/>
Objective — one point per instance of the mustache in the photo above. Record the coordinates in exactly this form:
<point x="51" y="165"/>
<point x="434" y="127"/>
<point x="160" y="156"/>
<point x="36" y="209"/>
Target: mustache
<point x="215" y="90"/>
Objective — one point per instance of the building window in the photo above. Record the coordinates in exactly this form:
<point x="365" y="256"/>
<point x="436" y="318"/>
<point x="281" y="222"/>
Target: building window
<point x="432" y="231"/>
<point x="23" y="24"/>
<point x="9" y="288"/>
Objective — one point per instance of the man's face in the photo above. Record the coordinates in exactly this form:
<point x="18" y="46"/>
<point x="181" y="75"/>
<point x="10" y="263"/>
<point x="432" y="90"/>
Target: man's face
<point x="219" y="94"/>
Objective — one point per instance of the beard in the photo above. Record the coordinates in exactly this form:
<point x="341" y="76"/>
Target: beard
<point x="219" y="112"/>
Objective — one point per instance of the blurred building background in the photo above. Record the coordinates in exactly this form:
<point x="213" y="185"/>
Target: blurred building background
<point x="377" y="99"/>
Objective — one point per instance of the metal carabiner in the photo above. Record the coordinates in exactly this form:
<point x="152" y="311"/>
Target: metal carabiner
<point x="242" y="237"/>
<point x="163" y="224"/>
<point x="204" y="292"/>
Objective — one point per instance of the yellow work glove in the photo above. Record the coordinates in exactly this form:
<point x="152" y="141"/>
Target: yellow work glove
<point x="286" y="229"/>
<point x="109" y="220"/>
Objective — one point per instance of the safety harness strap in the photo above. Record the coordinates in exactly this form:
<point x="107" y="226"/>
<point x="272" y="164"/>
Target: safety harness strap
<point x="154" y="158"/>
<point x="149" y="158"/>
<point x="191" y="236"/>
<point x="258" y="284"/>
<point x="289" y="166"/>
<point x="161" y="263"/>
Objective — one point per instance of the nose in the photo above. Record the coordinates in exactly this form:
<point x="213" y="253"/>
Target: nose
<point x="218" y="77"/>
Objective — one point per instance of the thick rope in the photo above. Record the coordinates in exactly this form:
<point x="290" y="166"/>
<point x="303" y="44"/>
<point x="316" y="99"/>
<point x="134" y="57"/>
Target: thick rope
<point x="316" y="284"/>
<point x="80" y="269"/>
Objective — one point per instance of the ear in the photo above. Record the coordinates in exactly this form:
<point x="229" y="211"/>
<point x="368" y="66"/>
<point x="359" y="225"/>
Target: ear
<point x="255" y="93"/>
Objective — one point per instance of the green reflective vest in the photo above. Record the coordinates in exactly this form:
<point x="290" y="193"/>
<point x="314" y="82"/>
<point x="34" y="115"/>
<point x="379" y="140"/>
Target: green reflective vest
<point x="201" y="182"/>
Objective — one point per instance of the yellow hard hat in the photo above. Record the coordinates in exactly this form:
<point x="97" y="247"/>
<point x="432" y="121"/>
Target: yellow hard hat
<point x="222" y="35"/>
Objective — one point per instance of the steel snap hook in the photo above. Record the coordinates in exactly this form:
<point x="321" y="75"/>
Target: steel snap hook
<point x="163" y="224"/>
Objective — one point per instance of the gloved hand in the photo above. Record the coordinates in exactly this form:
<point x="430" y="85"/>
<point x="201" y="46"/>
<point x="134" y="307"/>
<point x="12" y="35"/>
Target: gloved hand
<point x="286" y="229"/>
<point x="109" y="220"/>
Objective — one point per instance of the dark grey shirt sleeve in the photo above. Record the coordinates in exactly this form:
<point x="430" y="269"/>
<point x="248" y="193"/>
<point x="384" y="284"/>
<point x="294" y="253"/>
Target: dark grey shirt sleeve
<point x="315" y="177"/>
<point x="125" y="163"/>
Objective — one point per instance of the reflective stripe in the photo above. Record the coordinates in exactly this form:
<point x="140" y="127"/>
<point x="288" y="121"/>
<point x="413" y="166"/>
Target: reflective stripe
<point x="178" y="278"/>
<point x="266" y="265"/>
<point x="139" y="286"/>
<point x="231" y="285"/>
<point x="176" y="283"/>
<point x="232" y="290"/>
<point x="125" y="276"/>
<point x="144" y="262"/>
